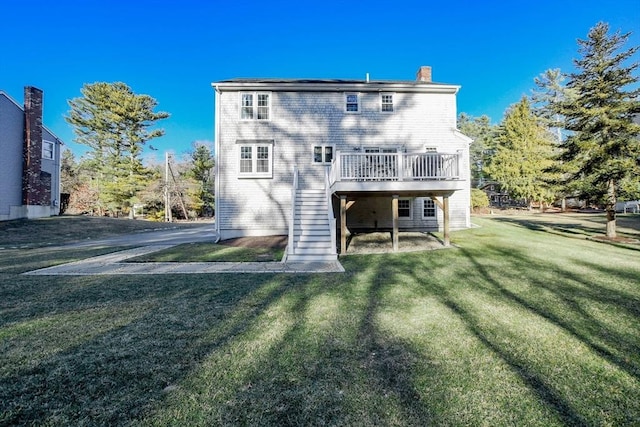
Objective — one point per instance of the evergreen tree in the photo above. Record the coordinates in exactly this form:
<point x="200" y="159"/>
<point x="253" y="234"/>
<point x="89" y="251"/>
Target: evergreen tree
<point x="201" y="171"/>
<point x="69" y="175"/>
<point x="602" y="154"/>
<point x="550" y="91"/>
<point x="483" y="134"/>
<point x="115" y="123"/>
<point x="523" y="155"/>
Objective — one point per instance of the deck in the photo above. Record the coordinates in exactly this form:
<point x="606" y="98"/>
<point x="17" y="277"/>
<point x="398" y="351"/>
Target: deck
<point x="396" y="173"/>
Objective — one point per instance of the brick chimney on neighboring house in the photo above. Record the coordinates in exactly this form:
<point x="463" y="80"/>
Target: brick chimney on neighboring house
<point x="36" y="184"/>
<point x="424" y="74"/>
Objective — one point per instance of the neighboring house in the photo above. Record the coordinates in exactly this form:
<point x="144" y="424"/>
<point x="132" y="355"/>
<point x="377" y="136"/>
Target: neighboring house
<point x="30" y="160"/>
<point x="316" y="158"/>
<point x="632" y="206"/>
<point x="498" y="197"/>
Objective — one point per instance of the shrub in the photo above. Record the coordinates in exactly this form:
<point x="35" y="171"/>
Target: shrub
<point x="479" y="199"/>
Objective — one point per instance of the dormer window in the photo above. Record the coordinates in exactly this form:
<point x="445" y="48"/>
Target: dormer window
<point x="352" y="103"/>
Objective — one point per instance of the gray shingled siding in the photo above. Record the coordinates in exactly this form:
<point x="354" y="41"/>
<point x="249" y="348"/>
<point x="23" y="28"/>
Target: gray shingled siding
<point x="11" y="137"/>
<point x="300" y="120"/>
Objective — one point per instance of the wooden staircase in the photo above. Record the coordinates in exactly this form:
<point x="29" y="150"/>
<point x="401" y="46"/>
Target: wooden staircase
<point x="311" y="231"/>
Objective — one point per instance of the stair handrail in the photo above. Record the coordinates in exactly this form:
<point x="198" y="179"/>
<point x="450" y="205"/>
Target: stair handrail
<point x="294" y="191"/>
<point x="332" y="218"/>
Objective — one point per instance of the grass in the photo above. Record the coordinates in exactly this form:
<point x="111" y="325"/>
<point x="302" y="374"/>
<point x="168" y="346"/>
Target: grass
<point x="211" y="252"/>
<point x="23" y="233"/>
<point x="525" y="322"/>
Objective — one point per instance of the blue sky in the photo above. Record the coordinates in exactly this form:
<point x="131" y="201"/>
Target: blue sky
<point x="173" y="50"/>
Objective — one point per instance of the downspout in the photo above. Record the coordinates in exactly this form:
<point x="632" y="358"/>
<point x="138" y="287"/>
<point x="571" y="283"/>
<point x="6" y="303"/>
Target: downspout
<point x="291" y="241"/>
<point x="216" y="166"/>
<point x="57" y="165"/>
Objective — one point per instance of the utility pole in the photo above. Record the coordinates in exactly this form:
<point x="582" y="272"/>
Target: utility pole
<point x="167" y="193"/>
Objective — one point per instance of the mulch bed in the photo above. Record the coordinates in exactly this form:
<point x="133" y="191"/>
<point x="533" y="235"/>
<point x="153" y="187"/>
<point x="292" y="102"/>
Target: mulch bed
<point x="617" y="239"/>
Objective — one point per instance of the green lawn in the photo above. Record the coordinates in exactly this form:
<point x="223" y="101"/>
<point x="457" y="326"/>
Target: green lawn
<point x="524" y="322"/>
<point x="43" y="232"/>
<point x="212" y="252"/>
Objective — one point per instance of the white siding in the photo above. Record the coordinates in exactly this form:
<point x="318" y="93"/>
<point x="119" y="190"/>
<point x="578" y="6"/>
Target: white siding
<point x="300" y="120"/>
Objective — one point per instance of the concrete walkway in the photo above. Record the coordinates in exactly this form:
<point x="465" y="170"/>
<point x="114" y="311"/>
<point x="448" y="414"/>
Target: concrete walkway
<point x="114" y="264"/>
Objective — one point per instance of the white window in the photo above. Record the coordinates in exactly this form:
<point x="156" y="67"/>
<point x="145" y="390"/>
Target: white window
<point x="255" y="105"/>
<point x="380" y="150"/>
<point x="255" y="159"/>
<point x="352" y="102"/>
<point x="428" y="208"/>
<point x="386" y="102"/>
<point x="404" y="209"/>
<point x="47" y="150"/>
<point x="322" y="154"/>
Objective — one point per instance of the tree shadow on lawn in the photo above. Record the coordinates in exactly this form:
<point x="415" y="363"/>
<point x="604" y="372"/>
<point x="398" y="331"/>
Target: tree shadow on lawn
<point x="15" y="261"/>
<point x="567" y="227"/>
<point x="119" y="374"/>
<point x="558" y="302"/>
<point x="188" y="349"/>
<point x="330" y="366"/>
<point x="157" y="335"/>
<point x="560" y="296"/>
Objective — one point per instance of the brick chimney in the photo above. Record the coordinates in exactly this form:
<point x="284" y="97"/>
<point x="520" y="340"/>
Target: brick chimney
<point x="424" y="74"/>
<point x="35" y="190"/>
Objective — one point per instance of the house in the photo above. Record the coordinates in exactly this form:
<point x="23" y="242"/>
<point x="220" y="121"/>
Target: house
<point x="30" y="161"/>
<point x="498" y="197"/>
<point x="316" y="159"/>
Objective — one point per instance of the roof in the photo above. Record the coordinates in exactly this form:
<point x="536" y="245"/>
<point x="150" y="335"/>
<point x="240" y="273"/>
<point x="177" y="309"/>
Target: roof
<point x="326" y="81"/>
<point x="6" y="95"/>
<point x="333" y="85"/>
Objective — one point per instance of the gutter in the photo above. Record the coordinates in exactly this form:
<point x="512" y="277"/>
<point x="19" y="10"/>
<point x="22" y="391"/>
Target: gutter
<point x="337" y="87"/>
<point x="216" y="167"/>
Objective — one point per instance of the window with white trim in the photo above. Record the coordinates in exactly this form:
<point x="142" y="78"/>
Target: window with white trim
<point x="380" y="150"/>
<point x="352" y="102"/>
<point x="255" y="159"/>
<point x="386" y="102"/>
<point x="47" y="150"/>
<point x="255" y="105"/>
<point x="322" y="154"/>
<point x="404" y="209"/>
<point x="428" y="208"/>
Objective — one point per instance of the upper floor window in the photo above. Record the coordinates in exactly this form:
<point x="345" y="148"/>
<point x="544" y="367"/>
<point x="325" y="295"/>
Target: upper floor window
<point x="47" y="150"/>
<point x="386" y="102"/>
<point x="256" y="159"/>
<point x="352" y="103"/>
<point x="255" y="105"/>
<point x="322" y="154"/>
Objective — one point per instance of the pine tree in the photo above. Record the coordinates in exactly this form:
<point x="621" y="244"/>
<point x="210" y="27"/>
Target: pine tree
<point x="550" y="91"/>
<point x="523" y="155"/>
<point x="483" y="134"/>
<point x="602" y="154"/>
<point x="201" y="171"/>
<point x="115" y="123"/>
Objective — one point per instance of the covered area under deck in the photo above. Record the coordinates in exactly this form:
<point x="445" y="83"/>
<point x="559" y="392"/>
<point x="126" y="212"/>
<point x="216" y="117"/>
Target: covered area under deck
<point x="440" y="198"/>
<point x="356" y="176"/>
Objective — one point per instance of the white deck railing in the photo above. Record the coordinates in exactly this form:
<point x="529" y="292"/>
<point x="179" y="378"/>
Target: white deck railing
<point x="394" y="166"/>
<point x="331" y="217"/>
